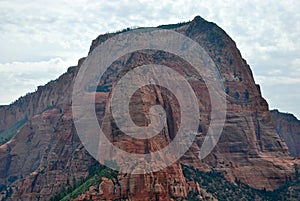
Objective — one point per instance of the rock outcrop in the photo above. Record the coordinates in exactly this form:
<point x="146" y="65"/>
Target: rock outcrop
<point x="288" y="128"/>
<point x="46" y="154"/>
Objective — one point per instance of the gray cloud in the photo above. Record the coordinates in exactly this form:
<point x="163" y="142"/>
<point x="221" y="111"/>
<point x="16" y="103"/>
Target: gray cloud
<point x="36" y="32"/>
<point x="19" y="78"/>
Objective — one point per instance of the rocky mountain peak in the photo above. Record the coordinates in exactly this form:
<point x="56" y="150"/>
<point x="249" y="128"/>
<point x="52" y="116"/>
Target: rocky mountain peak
<point x="45" y="153"/>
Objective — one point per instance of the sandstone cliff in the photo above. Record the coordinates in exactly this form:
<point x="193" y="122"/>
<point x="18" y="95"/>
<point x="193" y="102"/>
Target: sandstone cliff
<point x="46" y="153"/>
<point x="288" y="128"/>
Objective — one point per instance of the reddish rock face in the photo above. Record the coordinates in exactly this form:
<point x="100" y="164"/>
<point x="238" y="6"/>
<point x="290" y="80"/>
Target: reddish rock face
<point x="288" y="128"/>
<point x="46" y="154"/>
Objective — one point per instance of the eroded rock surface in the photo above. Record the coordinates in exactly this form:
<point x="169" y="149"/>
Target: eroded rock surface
<point x="46" y="154"/>
<point x="288" y="128"/>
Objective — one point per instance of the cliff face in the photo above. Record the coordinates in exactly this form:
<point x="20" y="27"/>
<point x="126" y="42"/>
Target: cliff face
<point x="288" y="128"/>
<point x="46" y="153"/>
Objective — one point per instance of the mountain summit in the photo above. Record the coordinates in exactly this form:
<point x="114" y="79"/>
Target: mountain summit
<point x="42" y="156"/>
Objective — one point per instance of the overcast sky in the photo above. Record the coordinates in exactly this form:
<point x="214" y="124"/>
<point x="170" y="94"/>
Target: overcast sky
<point x="41" y="39"/>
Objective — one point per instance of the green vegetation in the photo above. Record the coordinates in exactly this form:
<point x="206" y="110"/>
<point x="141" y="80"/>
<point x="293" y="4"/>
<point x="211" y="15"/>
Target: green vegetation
<point x="99" y="88"/>
<point x="172" y="26"/>
<point x="123" y="30"/>
<point x="215" y="34"/>
<point x="246" y="94"/>
<point x="220" y="188"/>
<point x="95" y="176"/>
<point x="236" y="95"/>
<point x="227" y="90"/>
<point x="7" y="134"/>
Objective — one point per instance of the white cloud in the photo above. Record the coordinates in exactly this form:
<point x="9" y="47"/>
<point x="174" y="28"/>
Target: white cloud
<point x="19" y="78"/>
<point x="276" y="80"/>
<point x="266" y="32"/>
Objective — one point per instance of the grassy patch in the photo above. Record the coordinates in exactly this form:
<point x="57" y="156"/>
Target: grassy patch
<point x="7" y="134"/>
<point x="94" y="178"/>
<point x="222" y="189"/>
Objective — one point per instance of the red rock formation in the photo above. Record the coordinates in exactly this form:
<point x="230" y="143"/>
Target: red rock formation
<point x="46" y="154"/>
<point x="43" y="157"/>
<point x="288" y="128"/>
